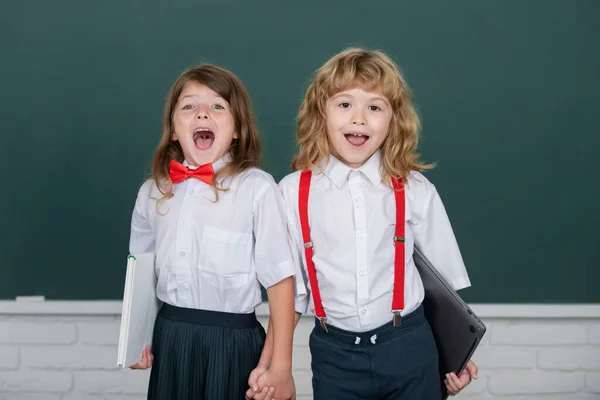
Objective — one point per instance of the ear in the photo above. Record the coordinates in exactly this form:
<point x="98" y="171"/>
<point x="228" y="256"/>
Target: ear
<point x="236" y="135"/>
<point x="174" y="137"/>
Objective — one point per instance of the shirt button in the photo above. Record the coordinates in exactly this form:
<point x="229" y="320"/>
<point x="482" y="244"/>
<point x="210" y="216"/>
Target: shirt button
<point x="191" y="192"/>
<point x="182" y="253"/>
<point x="363" y="312"/>
<point x="357" y="198"/>
<point x="361" y="235"/>
<point x="362" y="272"/>
<point x="184" y="222"/>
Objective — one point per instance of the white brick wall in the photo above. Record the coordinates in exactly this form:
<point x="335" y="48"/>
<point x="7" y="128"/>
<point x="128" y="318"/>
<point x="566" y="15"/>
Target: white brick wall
<point x="60" y="354"/>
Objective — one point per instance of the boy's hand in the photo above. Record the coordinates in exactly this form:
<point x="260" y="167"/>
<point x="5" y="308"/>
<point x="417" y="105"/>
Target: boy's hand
<point x="455" y="384"/>
<point x="147" y="359"/>
<point x="281" y="381"/>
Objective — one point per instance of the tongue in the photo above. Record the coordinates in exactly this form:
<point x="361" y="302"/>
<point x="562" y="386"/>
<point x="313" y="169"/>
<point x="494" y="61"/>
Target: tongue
<point x="356" y="140"/>
<point x="204" y="141"/>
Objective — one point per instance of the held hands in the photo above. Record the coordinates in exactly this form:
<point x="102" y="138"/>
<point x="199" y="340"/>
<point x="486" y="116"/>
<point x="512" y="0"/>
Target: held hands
<point x="455" y="384"/>
<point x="281" y="380"/>
<point x="147" y="359"/>
<point x="255" y="392"/>
<point x="270" y="384"/>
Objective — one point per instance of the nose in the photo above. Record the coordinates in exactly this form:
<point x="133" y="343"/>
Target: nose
<point x="358" y="118"/>
<point x="202" y="113"/>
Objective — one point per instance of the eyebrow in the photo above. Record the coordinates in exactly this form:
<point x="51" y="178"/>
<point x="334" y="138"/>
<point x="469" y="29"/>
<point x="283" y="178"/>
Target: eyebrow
<point x="370" y="99"/>
<point x="382" y="99"/>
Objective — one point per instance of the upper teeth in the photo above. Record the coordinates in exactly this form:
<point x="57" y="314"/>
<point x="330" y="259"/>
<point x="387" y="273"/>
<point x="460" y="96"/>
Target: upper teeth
<point x="203" y="129"/>
<point x="357" y="134"/>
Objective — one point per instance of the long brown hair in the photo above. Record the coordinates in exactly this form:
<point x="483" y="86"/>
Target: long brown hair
<point x="372" y="71"/>
<point x="244" y="151"/>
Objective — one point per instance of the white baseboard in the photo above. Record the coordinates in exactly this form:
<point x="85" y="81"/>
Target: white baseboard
<point x="484" y="311"/>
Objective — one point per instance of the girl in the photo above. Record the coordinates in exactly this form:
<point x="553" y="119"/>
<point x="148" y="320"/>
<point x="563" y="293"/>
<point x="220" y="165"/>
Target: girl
<point x="216" y="224"/>
<point x="357" y="173"/>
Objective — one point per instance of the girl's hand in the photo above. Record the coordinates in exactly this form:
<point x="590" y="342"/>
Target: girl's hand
<point x="268" y="393"/>
<point x="147" y="359"/>
<point x="281" y="381"/>
<point x="256" y="392"/>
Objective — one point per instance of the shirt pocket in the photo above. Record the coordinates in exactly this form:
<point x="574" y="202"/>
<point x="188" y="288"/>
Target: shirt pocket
<point x="225" y="258"/>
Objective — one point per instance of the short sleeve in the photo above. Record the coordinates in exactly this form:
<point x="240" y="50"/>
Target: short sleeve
<point x="434" y="236"/>
<point x="272" y="256"/>
<point x="290" y="198"/>
<point x="141" y="238"/>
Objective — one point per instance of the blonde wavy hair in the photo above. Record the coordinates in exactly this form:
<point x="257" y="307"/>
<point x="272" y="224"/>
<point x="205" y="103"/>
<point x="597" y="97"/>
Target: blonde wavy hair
<point x="371" y="71"/>
<point x="244" y="151"/>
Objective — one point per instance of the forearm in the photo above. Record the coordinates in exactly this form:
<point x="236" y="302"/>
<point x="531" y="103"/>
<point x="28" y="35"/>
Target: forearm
<point x="267" y="353"/>
<point x="282" y="323"/>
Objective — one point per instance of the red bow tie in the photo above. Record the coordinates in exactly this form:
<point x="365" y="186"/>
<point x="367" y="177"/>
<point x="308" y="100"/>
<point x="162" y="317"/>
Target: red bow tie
<point x="180" y="172"/>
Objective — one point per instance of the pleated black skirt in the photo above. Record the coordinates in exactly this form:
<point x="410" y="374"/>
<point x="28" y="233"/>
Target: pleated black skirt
<point x="203" y="355"/>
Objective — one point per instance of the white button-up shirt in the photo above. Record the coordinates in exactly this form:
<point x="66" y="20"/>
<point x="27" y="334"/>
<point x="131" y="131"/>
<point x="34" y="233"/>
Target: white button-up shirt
<point x="214" y="255"/>
<point x="352" y="218"/>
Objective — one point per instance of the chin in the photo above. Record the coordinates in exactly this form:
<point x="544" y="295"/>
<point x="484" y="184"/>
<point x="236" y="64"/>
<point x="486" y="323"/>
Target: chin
<point x="200" y="159"/>
<point x="353" y="162"/>
<point x="356" y="157"/>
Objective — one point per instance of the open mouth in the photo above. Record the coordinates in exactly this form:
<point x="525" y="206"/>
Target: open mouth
<point x="203" y="138"/>
<point x="356" y="139"/>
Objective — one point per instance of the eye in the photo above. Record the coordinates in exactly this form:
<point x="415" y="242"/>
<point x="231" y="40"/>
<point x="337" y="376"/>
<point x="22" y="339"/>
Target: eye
<point x="345" y="105"/>
<point x="218" y="107"/>
<point x="374" y="108"/>
<point x="187" y="107"/>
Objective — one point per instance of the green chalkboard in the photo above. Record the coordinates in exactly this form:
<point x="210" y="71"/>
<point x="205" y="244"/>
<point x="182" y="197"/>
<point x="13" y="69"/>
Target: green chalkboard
<point x="507" y="90"/>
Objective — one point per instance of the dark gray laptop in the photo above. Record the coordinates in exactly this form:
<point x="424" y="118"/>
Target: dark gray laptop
<point x="456" y="328"/>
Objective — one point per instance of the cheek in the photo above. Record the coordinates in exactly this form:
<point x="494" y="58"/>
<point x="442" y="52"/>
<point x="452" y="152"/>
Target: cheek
<point x="383" y="125"/>
<point x="227" y="123"/>
<point x="334" y="124"/>
<point x="175" y="130"/>
<point x="179" y="124"/>
<point x="233" y="127"/>
<point x="332" y="135"/>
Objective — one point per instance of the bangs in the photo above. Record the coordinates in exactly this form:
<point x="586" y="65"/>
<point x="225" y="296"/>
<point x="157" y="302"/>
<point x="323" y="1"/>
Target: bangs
<point x="370" y="78"/>
<point x="219" y="80"/>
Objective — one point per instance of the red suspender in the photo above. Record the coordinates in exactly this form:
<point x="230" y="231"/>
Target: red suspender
<point x="303" y="191"/>
<point x="398" y="294"/>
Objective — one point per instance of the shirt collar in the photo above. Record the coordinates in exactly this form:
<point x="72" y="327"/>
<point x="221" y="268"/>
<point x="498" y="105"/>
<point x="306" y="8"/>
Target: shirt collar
<point x="338" y="172"/>
<point x="217" y="165"/>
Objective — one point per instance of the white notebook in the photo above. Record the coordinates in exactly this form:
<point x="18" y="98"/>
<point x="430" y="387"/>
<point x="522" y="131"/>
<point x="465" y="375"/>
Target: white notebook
<point x="140" y="306"/>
